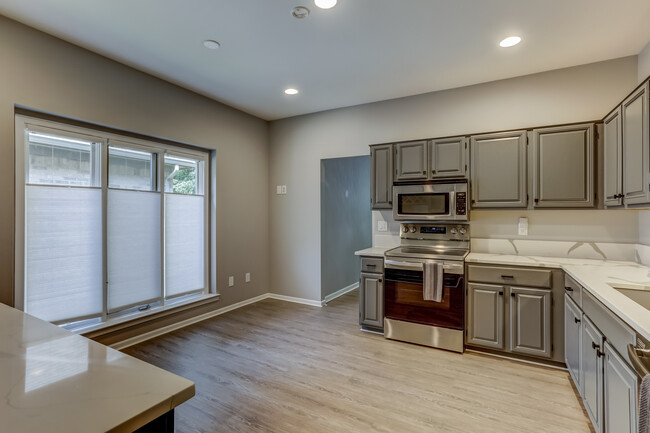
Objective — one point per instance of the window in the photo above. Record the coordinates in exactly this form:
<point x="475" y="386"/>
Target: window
<point x="109" y="224"/>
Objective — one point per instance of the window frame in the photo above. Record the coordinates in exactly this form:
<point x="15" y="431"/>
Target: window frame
<point x="106" y="140"/>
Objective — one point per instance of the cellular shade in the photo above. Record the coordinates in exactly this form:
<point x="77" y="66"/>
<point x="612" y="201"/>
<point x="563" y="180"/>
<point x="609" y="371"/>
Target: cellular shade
<point x="184" y="243"/>
<point x="133" y="248"/>
<point x="63" y="252"/>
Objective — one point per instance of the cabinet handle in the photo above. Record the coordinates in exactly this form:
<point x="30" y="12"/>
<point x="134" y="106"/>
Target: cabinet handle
<point x="599" y="353"/>
<point x="512" y="294"/>
<point x="568" y="289"/>
<point x="595" y="346"/>
<point x="576" y="320"/>
<point x="500" y="293"/>
<point x="507" y="277"/>
<point x="371" y="265"/>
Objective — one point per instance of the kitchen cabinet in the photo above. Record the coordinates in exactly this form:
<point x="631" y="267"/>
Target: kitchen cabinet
<point x="447" y="157"/>
<point x="620" y="390"/>
<point x="498" y="170"/>
<point x="411" y="161"/>
<point x="636" y="147"/>
<point x="371" y="294"/>
<point x="592" y="372"/>
<point x="485" y="322"/>
<point x="573" y="340"/>
<point x="381" y="176"/>
<point x="530" y="321"/>
<point x="563" y="166"/>
<point x="613" y="159"/>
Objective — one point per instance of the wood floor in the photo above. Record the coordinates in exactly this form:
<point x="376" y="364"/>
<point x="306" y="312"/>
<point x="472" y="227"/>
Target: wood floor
<point x="281" y="367"/>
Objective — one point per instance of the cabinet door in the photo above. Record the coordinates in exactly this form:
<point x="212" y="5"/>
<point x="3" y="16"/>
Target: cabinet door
<point x="620" y="394"/>
<point x="530" y="321"/>
<point x="563" y="166"/>
<point x="613" y="155"/>
<point x="485" y="315"/>
<point x="573" y="340"/>
<point x="634" y="115"/>
<point x="447" y="157"/>
<point x="592" y="372"/>
<point x="498" y="166"/>
<point x="411" y="162"/>
<point x="381" y="176"/>
<point x="371" y="300"/>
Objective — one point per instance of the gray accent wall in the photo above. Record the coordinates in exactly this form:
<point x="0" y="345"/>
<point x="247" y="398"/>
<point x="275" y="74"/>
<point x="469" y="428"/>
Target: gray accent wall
<point x="345" y="220"/>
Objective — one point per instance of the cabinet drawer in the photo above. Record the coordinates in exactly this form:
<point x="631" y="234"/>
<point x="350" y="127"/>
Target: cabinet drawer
<point x="573" y="289"/>
<point x="509" y="276"/>
<point x="372" y="264"/>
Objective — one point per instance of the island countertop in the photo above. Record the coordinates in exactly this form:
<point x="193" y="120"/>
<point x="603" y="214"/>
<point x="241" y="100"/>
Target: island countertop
<point x="52" y="380"/>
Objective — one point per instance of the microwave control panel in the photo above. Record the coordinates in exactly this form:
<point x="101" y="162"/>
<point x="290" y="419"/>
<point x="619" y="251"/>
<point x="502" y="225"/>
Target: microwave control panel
<point x="461" y="203"/>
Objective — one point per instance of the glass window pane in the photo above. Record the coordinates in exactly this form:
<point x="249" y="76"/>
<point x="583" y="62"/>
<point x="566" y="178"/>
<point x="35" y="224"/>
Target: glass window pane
<point x="131" y="169"/>
<point x="184" y="243"/>
<point x="60" y="160"/>
<point x="183" y="175"/>
<point x="134" y="260"/>
<point x="63" y="252"/>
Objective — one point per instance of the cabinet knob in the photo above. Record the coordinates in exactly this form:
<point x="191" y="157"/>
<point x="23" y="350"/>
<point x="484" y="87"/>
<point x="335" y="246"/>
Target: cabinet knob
<point x="512" y="294"/>
<point x="568" y="289"/>
<point x="599" y="353"/>
<point x="595" y="346"/>
<point x="576" y="320"/>
<point x="500" y="293"/>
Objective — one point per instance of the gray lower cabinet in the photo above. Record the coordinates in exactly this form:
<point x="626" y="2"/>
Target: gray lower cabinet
<point x="636" y="147"/>
<point x="613" y="159"/>
<point x="485" y="317"/>
<point x="573" y="340"/>
<point x="371" y="300"/>
<point x="447" y="157"/>
<point x="530" y="321"/>
<point x="411" y="161"/>
<point x="498" y="170"/>
<point x="592" y="372"/>
<point x="563" y="166"/>
<point x="620" y="384"/>
<point x="381" y="176"/>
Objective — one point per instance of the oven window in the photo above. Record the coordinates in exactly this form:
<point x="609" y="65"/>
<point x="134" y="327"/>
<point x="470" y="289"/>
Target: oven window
<point x="423" y="204"/>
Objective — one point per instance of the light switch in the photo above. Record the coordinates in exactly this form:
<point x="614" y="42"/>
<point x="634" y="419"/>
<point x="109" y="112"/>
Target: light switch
<point x="382" y="226"/>
<point x="523" y="226"/>
<point x="278" y="189"/>
<point x="231" y="281"/>
<point x="248" y="277"/>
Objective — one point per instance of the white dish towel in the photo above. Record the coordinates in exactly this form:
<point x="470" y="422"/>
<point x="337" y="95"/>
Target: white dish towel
<point x="644" y="405"/>
<point x="432" y="285"/>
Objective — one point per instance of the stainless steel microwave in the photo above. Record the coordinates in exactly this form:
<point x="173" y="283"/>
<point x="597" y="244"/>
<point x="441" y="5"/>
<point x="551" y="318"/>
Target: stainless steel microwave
<point x="430" y="202"/>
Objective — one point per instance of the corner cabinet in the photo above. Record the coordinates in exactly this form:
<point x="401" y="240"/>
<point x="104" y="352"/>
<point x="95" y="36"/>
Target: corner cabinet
<point x="530" y="321"/>
<point x="498" y="170"/>
<point x="636" y="147"/>
<point x="563" y="166"/>
<point x="381" y="176"/>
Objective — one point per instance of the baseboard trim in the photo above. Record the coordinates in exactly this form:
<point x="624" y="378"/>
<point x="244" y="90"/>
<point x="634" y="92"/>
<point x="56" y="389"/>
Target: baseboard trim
<point x="183" y="323"/>
<point x="343" y="291"/>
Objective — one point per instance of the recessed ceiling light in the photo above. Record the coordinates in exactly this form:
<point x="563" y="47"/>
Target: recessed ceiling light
<point x="291" y="91"/>
<point x="300" y="12"/>
<point x="211" y="45"/>
<point x="510" y="41"/>
<point x="325" y="4"/>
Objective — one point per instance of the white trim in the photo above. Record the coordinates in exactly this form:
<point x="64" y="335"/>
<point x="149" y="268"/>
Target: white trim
<point x="343" y="291"/>
<point x="183" y="323"/>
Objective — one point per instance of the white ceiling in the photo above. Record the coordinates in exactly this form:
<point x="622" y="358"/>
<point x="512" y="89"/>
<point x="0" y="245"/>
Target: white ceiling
<point x="360" y="51"/>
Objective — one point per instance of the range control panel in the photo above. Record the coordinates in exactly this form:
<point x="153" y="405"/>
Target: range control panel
<point x="461" y="203"/>
<point x="439" y="232"/>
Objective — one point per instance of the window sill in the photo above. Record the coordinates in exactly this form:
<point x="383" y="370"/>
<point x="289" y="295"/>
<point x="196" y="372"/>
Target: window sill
<point x="139" y="318"/>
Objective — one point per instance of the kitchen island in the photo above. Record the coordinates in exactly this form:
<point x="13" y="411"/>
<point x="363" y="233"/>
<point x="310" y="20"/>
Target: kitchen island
<point x="52" y="380"/>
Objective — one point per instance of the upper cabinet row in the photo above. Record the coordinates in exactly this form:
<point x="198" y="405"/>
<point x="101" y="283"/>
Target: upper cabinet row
<point x="627" y="151"/>
<point x="561" y="164"/>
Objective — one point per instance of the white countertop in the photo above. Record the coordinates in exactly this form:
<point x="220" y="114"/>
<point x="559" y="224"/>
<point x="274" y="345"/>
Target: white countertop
<point x="373" y="252"/>
<point x="56" y="381"/>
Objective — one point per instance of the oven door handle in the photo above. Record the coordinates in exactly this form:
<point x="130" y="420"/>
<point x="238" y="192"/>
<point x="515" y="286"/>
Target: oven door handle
<point x="403" y="265"/>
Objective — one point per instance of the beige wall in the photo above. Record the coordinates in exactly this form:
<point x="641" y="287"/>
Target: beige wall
<point x="47" y="74"/>
<point x="644" y="63"/>
<point x="297" y="144"/>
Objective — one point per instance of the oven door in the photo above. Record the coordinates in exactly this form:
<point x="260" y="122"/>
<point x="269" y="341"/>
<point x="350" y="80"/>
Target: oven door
<point x="404" y="300"/>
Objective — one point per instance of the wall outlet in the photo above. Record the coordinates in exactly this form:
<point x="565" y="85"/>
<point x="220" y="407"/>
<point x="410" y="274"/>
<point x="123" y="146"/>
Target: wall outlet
<point x="284" y="189"/>
<point x="523" y="226"/>
<point x="248" y="277"/>
<point x="231" y="281"/>
<point x="382" y="226"/>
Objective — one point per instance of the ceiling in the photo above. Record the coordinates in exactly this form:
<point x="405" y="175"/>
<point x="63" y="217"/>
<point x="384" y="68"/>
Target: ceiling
<point x="357" y="52"/>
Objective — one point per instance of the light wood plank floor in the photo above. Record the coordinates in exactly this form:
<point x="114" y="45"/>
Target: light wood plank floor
<point x="280" y="367"/>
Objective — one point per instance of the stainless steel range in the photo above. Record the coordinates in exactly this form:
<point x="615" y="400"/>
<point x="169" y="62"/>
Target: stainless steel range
<point x="424" y="291"/>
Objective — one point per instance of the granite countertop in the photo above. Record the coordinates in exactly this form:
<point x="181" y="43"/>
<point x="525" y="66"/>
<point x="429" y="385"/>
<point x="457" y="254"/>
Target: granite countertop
<point x="54" y="380"/>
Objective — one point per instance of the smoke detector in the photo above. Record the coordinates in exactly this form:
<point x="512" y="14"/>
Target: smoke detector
<point x="300" y="12"/>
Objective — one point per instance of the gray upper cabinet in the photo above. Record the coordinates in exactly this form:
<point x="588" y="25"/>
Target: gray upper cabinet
<point x="613" y="159"/>
<point x="447" y="157"/>
<point x="485" y="315"/>
<point x="620" y="394"/>
<point x="411" y="160"/>
<point x="498" y="170"/>
<point x="592" y="372"/>
<point x="636" y="151"/>
<point x="573" y="340"/>
<point x="381" y="176"/>
<point x="530" y="321"/>
<point x="563" y="166"/>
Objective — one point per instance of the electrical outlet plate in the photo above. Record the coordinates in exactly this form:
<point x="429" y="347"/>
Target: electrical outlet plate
<point x="382" y="226"/>
<point x="523" y="227"/>
<point x="231" y="281"/>
<point x="248" y="277"/>
<point x="284" y="189"/>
